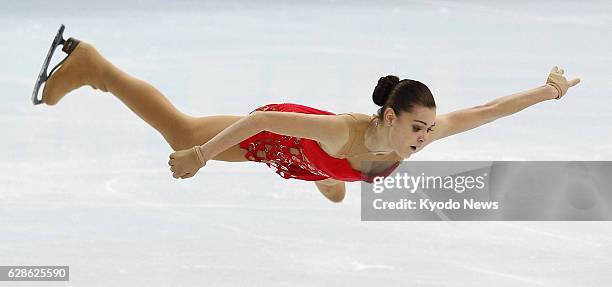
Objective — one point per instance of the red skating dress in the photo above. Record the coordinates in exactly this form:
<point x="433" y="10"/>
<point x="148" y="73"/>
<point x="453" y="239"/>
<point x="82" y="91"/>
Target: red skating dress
<point x="300" y="158"/>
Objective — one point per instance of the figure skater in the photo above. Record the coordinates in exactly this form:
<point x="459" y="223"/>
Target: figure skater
<point x="297" y="141"/>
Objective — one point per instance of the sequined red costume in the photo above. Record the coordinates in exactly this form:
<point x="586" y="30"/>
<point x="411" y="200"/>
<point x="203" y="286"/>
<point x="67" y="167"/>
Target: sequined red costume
<point x="300" y="158"/>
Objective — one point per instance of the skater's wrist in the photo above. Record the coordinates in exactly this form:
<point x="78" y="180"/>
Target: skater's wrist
<point x="200" y="154"/>
<point x="552" y="92"/>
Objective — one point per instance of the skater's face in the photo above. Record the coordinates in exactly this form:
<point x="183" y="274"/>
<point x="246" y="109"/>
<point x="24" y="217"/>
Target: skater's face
<point x="410" y="130"/>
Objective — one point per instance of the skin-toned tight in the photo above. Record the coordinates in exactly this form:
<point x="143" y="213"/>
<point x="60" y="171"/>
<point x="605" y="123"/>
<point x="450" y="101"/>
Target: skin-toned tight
<point x="180" y="130"/>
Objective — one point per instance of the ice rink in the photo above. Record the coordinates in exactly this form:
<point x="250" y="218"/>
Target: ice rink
<point x="86" y="183"/>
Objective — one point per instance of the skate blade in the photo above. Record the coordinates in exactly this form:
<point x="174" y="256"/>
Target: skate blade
<point x="43" y="76"/>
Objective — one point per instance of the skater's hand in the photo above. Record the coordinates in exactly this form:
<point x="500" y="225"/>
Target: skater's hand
<point x="558" y="81"/>
<point x="185" y="163"/>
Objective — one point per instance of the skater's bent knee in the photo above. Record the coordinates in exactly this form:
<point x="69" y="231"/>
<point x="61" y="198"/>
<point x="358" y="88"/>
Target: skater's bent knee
<point x="334" y="191"/>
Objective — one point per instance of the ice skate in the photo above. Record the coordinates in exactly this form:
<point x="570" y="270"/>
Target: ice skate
<point x="82" y="66"/>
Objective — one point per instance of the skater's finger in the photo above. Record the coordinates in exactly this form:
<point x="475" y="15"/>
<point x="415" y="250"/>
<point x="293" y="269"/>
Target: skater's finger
<point x="574" y="82"/>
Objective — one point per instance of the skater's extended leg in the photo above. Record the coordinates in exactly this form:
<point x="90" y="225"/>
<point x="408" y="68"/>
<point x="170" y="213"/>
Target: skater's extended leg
<point x="85" y="66"/>
<point x="150" y="105"/>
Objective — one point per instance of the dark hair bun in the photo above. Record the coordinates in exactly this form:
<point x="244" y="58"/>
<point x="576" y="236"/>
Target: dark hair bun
<point x="383" y="89"/>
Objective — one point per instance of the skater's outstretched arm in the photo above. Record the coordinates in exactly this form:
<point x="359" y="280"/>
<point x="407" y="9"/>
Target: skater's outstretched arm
<point x="331" y="131"/>
<point x="467" y="119"/>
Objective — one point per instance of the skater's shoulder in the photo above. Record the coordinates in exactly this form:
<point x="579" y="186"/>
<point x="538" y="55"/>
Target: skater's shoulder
<point x="356" y="117"/>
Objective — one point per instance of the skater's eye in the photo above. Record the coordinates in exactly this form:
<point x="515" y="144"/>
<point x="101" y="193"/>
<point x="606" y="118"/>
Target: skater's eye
<point x="417" y="129"/>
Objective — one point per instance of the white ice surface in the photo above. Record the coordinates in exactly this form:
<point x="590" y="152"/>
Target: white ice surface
<point x="85" y="183"/>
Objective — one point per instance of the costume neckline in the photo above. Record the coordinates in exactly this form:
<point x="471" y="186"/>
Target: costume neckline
<point x="355" y="171"/>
